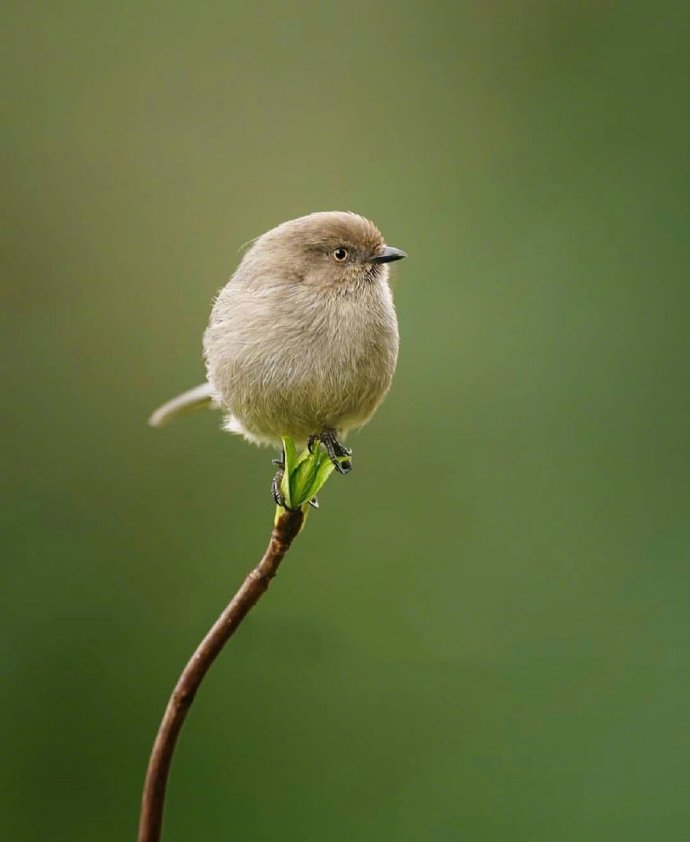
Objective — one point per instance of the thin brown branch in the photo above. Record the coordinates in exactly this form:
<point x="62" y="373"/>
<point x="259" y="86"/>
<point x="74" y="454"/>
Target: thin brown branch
<point x="284" y="532"/>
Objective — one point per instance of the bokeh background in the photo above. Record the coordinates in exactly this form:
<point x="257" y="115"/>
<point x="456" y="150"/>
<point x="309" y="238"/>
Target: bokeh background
<point x="484" y="633"/>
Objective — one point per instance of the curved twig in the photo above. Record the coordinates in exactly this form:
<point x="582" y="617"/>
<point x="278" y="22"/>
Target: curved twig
<point x="286" y="528"/>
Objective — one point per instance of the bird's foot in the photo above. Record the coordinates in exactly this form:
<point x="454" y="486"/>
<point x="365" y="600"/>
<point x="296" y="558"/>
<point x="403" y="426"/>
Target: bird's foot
<point x="336" y="451"/>
<point x="276" y="493"/>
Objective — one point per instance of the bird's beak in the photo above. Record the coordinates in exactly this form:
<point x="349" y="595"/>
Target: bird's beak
<point x="388" y="254"/>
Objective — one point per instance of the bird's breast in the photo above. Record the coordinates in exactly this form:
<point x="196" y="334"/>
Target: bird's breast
<point x="293" y="360"/>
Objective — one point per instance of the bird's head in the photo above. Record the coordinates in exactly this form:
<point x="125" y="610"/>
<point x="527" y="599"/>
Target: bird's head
<point x="334" y="249"/>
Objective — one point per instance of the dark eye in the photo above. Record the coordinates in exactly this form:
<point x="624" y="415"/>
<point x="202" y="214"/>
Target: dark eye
<point x="340" y="254"/>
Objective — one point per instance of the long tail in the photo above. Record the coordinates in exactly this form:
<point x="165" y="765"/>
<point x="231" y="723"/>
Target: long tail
<point x="199" y="397"/>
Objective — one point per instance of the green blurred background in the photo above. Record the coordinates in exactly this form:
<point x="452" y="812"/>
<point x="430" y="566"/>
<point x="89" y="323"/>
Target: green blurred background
<point x="484" y="632"/>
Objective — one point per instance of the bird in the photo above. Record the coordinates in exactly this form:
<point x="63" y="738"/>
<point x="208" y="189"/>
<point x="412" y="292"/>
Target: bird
<point x="303" y="339"/>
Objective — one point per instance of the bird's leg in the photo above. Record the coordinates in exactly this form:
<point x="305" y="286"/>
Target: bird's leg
<point x="334" y="448"/>
<point x="277" y="480"/>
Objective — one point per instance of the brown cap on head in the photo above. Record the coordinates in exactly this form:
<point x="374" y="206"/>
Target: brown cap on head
<point x="335" y="228"/>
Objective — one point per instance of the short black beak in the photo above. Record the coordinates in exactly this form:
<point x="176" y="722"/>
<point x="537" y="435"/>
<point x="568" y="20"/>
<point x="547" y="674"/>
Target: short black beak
<point x="388" y="254"/>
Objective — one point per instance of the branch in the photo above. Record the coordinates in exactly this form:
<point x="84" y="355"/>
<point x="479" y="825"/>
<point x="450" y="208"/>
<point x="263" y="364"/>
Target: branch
<point x="285" y="530"/>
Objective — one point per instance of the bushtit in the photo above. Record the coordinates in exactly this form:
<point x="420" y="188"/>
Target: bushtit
<point x="303" y="340"/>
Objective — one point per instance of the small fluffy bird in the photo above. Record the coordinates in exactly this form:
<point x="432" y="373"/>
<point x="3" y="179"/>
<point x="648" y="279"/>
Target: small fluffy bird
<point x="303" y="339"/>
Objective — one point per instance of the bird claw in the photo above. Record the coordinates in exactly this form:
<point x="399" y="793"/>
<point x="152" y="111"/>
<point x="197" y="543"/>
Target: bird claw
<point x="343" y="466"/>
<point x="336" y="451"/>
<point x="276" y="493"/>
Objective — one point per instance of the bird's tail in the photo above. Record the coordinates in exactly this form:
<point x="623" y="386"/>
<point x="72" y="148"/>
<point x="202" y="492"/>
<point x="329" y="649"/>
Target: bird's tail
<point x="197" y="398"/>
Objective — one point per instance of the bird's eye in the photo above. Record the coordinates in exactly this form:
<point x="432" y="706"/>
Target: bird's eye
<point x="340" y="254"/>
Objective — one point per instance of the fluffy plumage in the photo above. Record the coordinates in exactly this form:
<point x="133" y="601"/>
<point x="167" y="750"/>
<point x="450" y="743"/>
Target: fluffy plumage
<point x="304" y="336"/>
<point x="298" y="342"/>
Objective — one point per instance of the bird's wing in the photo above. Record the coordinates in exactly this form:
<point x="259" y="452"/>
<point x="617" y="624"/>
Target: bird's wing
<point x="196" y="398"/>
